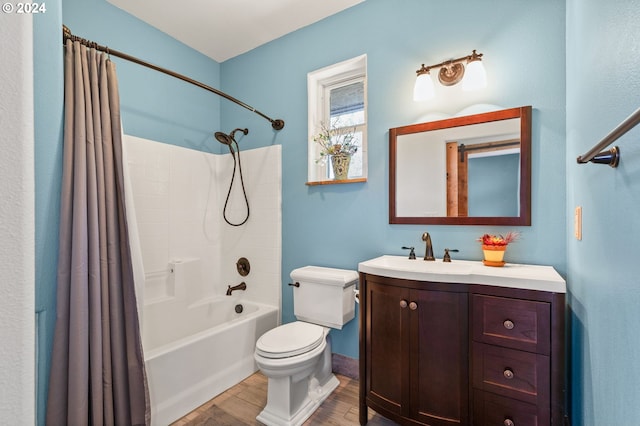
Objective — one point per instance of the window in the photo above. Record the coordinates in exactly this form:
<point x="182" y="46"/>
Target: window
<point x="338" y="100"/>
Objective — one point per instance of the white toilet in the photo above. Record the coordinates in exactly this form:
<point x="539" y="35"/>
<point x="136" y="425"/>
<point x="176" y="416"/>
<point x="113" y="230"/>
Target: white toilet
<point x="296" y="357"/>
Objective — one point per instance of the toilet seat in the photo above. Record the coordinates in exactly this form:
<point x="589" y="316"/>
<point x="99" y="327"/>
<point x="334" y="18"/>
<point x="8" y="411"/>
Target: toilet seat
<point x="289" y="340"/>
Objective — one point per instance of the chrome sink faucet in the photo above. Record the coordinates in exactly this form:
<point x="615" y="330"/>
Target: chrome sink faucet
<point x="241" y="286"/>
<point x="428" y="254"/>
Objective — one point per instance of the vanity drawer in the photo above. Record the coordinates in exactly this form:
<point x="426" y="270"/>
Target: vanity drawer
<point x="511" y="373"/>
<point x="513" y="323"/>
<point x="491" y="409"/>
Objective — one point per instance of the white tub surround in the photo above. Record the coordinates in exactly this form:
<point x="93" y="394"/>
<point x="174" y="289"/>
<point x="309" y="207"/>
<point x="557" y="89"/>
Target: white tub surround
<point x="196" y="344"/>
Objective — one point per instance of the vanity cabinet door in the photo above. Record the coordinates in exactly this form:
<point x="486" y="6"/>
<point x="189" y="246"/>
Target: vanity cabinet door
<point x="384" y="350"/>
<point x="438" y="358"/>
<point x="415" y="352"/>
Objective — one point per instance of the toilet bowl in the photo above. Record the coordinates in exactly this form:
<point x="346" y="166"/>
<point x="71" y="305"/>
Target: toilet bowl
<point x="300" y="377"/>
<point x="296" y="357"/>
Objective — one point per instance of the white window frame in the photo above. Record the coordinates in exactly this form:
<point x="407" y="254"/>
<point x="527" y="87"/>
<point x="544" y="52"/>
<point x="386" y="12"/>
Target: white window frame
<point x="319" y="84"/>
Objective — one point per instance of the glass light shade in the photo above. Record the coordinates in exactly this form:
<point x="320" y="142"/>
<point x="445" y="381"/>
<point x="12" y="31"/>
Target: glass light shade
<point x="423" y="89"/>
<point x="475" y="77"/>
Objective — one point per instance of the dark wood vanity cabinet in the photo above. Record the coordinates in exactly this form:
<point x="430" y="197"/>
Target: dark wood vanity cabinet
<point x="460" y="354"/>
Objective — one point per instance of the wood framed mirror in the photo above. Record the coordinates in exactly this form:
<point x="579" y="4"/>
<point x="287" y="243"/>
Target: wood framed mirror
<point x="470" y="170"/>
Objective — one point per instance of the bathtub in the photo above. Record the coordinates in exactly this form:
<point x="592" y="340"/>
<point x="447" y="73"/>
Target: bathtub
<point x="217" y="352"/>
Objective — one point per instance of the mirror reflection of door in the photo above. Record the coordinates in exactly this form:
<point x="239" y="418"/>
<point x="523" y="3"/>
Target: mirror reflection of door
<point x="483" y="179"/>
<point x="457" y="178"/>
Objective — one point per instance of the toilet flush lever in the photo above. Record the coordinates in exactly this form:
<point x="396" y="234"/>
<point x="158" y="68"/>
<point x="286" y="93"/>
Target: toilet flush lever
<point x="296" y="284"/>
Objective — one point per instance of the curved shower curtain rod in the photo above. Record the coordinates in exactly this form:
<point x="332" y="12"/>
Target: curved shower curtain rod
<point x="277" y="124"/>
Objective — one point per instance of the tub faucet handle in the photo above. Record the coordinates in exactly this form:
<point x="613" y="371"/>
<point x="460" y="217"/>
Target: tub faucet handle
<point x="243" y="266"/>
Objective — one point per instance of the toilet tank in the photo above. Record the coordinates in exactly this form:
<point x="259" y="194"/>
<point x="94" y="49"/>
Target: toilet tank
<point x="325" y="295"/>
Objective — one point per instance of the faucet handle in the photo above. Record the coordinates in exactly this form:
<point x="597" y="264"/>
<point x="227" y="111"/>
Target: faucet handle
<point x="412" y="253"/>
<point x="447" y="257"/>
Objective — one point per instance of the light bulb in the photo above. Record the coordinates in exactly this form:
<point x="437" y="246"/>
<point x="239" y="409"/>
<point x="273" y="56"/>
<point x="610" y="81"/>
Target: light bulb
<point x="423" y="89"/>
<point x="475" y="77"/>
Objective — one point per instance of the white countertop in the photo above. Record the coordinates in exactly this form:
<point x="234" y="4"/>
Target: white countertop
<point x="512" y="275"/>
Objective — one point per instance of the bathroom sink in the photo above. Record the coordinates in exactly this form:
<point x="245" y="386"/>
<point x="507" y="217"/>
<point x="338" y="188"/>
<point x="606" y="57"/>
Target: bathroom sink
<point x="416" y="269"/>
<point x="531" y="277"/>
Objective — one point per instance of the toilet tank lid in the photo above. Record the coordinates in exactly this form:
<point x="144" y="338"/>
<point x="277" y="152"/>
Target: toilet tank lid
<point x="323" y="275"/>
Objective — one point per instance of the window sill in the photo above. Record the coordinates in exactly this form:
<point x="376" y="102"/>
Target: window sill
<point x="335" y="182"/>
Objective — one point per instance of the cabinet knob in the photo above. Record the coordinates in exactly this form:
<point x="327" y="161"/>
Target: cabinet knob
<point x="403" y="303"/>
<point x="508" y="422"/>
<point x="413" y="306"/>
<point x="508" y="324"/>
<point x="508" y="374"/>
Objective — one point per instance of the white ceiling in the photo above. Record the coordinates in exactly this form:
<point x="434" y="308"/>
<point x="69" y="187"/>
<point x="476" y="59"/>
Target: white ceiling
<point x="222" y="29"/>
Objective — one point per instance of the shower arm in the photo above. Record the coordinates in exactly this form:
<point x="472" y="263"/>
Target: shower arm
<point x="276" y="124"/>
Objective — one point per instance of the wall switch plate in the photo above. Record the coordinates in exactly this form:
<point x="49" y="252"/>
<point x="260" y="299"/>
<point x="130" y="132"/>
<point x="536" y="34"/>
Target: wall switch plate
<point x="577" y="223"/>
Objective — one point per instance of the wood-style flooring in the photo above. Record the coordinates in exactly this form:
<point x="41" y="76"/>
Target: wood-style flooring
<point x="240" y="405"/>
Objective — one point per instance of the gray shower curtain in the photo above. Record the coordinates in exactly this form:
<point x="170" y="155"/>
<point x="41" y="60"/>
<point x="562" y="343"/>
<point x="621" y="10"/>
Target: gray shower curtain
<point x="97" y="366"/>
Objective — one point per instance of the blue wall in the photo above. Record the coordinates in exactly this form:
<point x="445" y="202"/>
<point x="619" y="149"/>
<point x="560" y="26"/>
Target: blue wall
<point x="603" y="88"/>
<point x="153" y="106"/>
<point x="341" y="225"/>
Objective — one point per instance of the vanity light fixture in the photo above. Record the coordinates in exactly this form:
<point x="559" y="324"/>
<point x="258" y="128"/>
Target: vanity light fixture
<point x="451" y="72"/>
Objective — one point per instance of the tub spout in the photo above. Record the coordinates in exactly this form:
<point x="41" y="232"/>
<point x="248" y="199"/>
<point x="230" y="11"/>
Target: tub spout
<point x="241" y="286"/>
